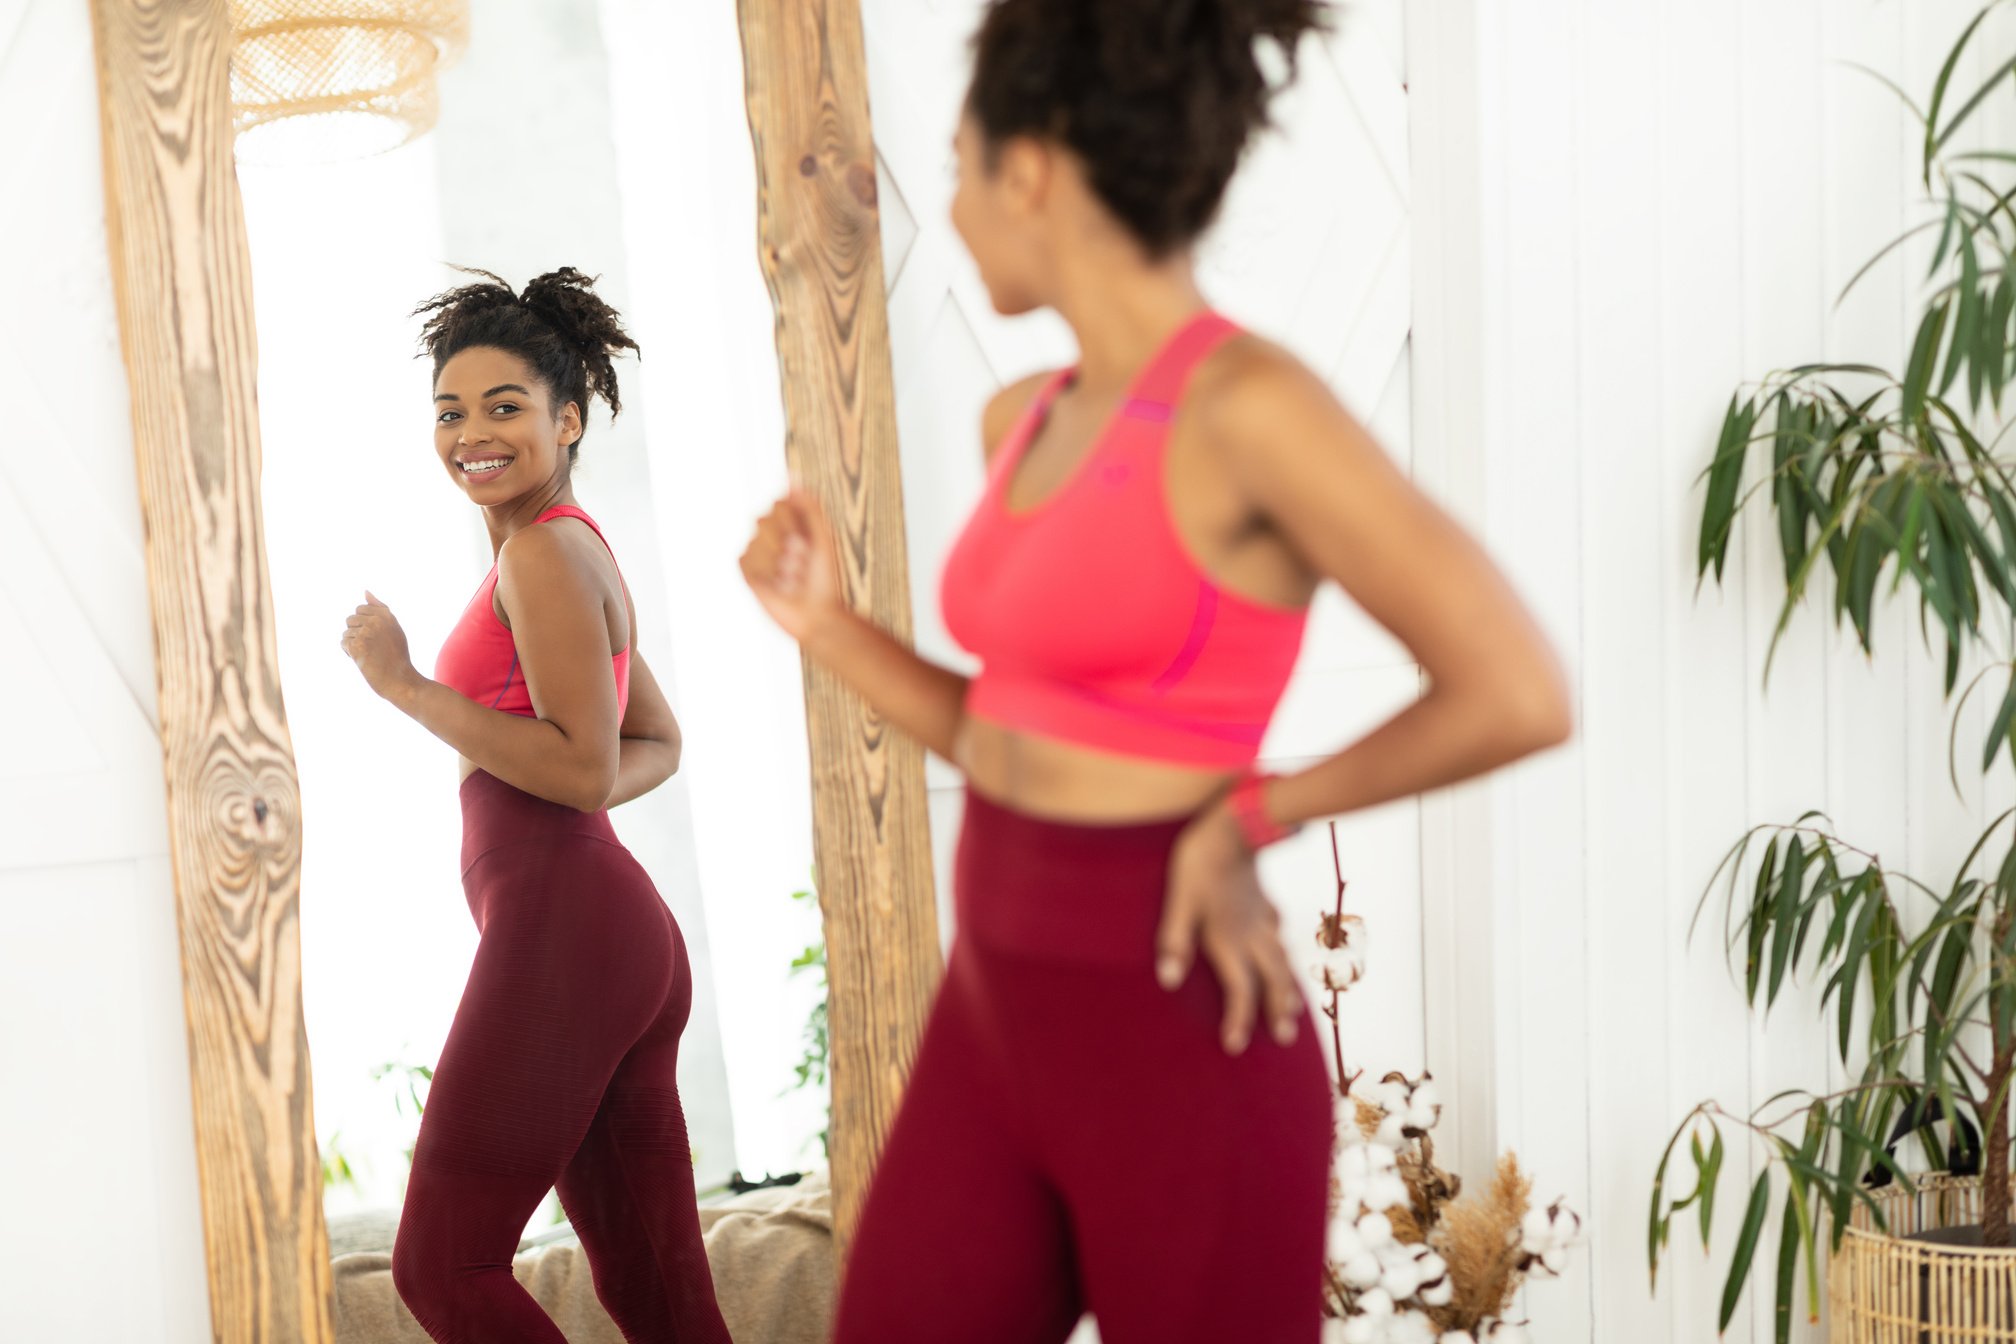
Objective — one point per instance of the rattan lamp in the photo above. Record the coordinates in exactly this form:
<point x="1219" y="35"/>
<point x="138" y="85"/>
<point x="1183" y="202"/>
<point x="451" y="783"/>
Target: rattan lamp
<point x="320" y="79"/>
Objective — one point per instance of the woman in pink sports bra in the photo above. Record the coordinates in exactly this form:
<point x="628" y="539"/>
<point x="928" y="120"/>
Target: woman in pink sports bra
<point x="1119" y="1102"/>
<point x="560" y="1070"/>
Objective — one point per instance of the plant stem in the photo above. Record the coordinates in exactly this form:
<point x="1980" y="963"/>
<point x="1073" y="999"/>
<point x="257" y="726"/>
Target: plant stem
<point x="1995" y="1133"/>
<point x="1344" y="1078"/>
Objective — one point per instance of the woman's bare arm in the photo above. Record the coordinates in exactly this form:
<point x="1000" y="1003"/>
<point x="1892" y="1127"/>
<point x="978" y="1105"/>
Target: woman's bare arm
<point x="568" y="754"/>
<point x="648" y="747"/>
<point x="1495" y="689"/>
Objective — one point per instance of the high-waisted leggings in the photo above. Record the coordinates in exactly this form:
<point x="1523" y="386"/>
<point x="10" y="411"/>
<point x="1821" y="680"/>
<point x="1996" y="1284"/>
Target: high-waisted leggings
<point x="1074" y="1137"/>
<point x="559" y="1071"/>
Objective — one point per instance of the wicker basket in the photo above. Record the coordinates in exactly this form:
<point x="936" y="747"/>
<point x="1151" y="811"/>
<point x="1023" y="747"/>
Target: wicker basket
<point x="1885" y="1290"/>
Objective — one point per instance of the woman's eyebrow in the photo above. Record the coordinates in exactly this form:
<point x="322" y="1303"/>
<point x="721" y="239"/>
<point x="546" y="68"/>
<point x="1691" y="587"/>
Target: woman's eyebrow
<point x="501" y="387"/>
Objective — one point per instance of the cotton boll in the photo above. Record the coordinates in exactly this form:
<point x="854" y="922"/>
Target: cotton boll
<point x="1567" y="1225"/>
<point x="1376" y="1303"/>
<point x="1457" y="1337"/>
<point x="1411" y="1327"/>
<point x="1394" y="1252"/>
<point x="1392" y="1130"/>
<point x="1344" y="1240"/>
<point x="1385" y="1192"/>
<point x="1341" y="967"/>
<point x="1350" y="1330"/>
<point x="1440" y="1293"/>
<point x="1361" y="1271"/>
<point x="1376" y="1228"/>
<point x="1401" y="1280"/>
<point x="1536" y="1232"/>
<point x="1555" y="1258"/>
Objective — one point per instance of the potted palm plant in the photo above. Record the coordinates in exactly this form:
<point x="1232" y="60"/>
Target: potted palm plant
<point x="1866" y="471"/>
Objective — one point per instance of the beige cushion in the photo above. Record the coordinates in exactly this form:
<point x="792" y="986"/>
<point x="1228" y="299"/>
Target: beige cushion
<point x="771" y="1252"/>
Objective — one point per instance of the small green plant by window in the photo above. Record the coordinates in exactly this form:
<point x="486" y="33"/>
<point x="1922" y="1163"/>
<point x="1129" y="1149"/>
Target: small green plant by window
<point x="811" y="1068"/>
<point x="409" y="1087"/>
<point x="336" y="1169"/>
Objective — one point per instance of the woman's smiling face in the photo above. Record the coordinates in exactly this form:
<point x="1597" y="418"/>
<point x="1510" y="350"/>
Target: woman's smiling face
<point x="495" y="428"/>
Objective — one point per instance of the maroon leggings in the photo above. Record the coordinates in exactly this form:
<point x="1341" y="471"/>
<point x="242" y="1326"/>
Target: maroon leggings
<point x="560" y="1071"/>
<point x="1075" y="1138"/>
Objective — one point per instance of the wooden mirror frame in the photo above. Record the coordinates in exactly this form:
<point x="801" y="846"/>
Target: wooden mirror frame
<point x="821" y="249"/>
<point x="181" y="273"/>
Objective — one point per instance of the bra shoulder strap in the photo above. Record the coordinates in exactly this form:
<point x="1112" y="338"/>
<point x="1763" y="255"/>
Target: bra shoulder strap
<point x="1161" y="384"/>
<point x="575" y="511"/>
<point x="1024" y="427"/>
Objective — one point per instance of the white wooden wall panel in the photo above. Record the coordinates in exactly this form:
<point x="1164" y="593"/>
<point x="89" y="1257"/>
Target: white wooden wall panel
<point x="1701" y="648"/>
<point x="1620" y="490"/>
<point x="95" y="1106"/>
<point x="1534" y="477"/>
<point x="1676" y="194"/>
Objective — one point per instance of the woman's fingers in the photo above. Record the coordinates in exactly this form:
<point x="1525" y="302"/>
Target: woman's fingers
<point x="1176" y="938"/>
<point x="775" y="556"/>
<point x="1283" y="999"/>
<point x="760" y="559"/>
<point x="1236" y="976"/>
<point x="806" y="513"/>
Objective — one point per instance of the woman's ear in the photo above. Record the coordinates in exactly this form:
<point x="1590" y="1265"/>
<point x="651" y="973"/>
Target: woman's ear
<point x="570" y="424"/>
<point x="1025" y="170"/>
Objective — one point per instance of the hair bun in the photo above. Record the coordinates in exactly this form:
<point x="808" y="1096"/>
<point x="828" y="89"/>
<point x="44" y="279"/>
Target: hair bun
<point x="1283" y="20"/>
<point x="1156" y="97"/>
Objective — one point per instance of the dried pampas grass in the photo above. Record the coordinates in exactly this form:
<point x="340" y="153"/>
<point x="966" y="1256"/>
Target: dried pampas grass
<point x="1479" y="1239"/>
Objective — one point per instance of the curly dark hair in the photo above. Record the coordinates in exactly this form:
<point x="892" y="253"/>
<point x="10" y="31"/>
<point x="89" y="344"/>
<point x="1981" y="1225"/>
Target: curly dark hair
<point x="1157" y="97"/>
<point x="559" y="325"/>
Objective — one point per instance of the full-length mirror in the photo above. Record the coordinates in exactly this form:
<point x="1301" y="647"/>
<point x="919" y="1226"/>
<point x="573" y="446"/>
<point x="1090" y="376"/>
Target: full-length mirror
<point x="486" y="973"/>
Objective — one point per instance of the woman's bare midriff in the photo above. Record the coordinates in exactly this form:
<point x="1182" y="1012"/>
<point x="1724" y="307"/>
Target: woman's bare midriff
<point x="1062" y="781"/>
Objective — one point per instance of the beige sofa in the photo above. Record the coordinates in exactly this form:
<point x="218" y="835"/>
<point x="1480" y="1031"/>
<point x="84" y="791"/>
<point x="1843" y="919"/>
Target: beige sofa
<point x="771" y="1251"/>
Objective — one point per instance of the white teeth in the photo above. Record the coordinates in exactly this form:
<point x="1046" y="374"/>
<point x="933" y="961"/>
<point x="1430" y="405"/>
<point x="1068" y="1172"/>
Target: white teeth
<point x="482" y="468"/>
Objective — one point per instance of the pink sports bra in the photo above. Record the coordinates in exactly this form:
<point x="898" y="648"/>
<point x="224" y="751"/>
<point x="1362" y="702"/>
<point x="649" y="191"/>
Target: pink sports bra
<point x="480" y="658"/>
<point x="1092" y="621"/>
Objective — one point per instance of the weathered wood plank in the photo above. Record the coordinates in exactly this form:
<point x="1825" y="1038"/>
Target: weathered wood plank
<point x="821" y="252"/>
<point x="183" y="279"/>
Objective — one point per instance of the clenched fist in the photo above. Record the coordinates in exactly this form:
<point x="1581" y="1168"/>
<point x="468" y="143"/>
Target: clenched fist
<point x="374" y="641"/>
<point x="790" y="566"/>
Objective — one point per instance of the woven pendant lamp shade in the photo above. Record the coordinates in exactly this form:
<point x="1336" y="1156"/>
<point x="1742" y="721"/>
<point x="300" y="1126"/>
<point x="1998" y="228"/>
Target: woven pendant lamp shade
<point x="338" y="78"/>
